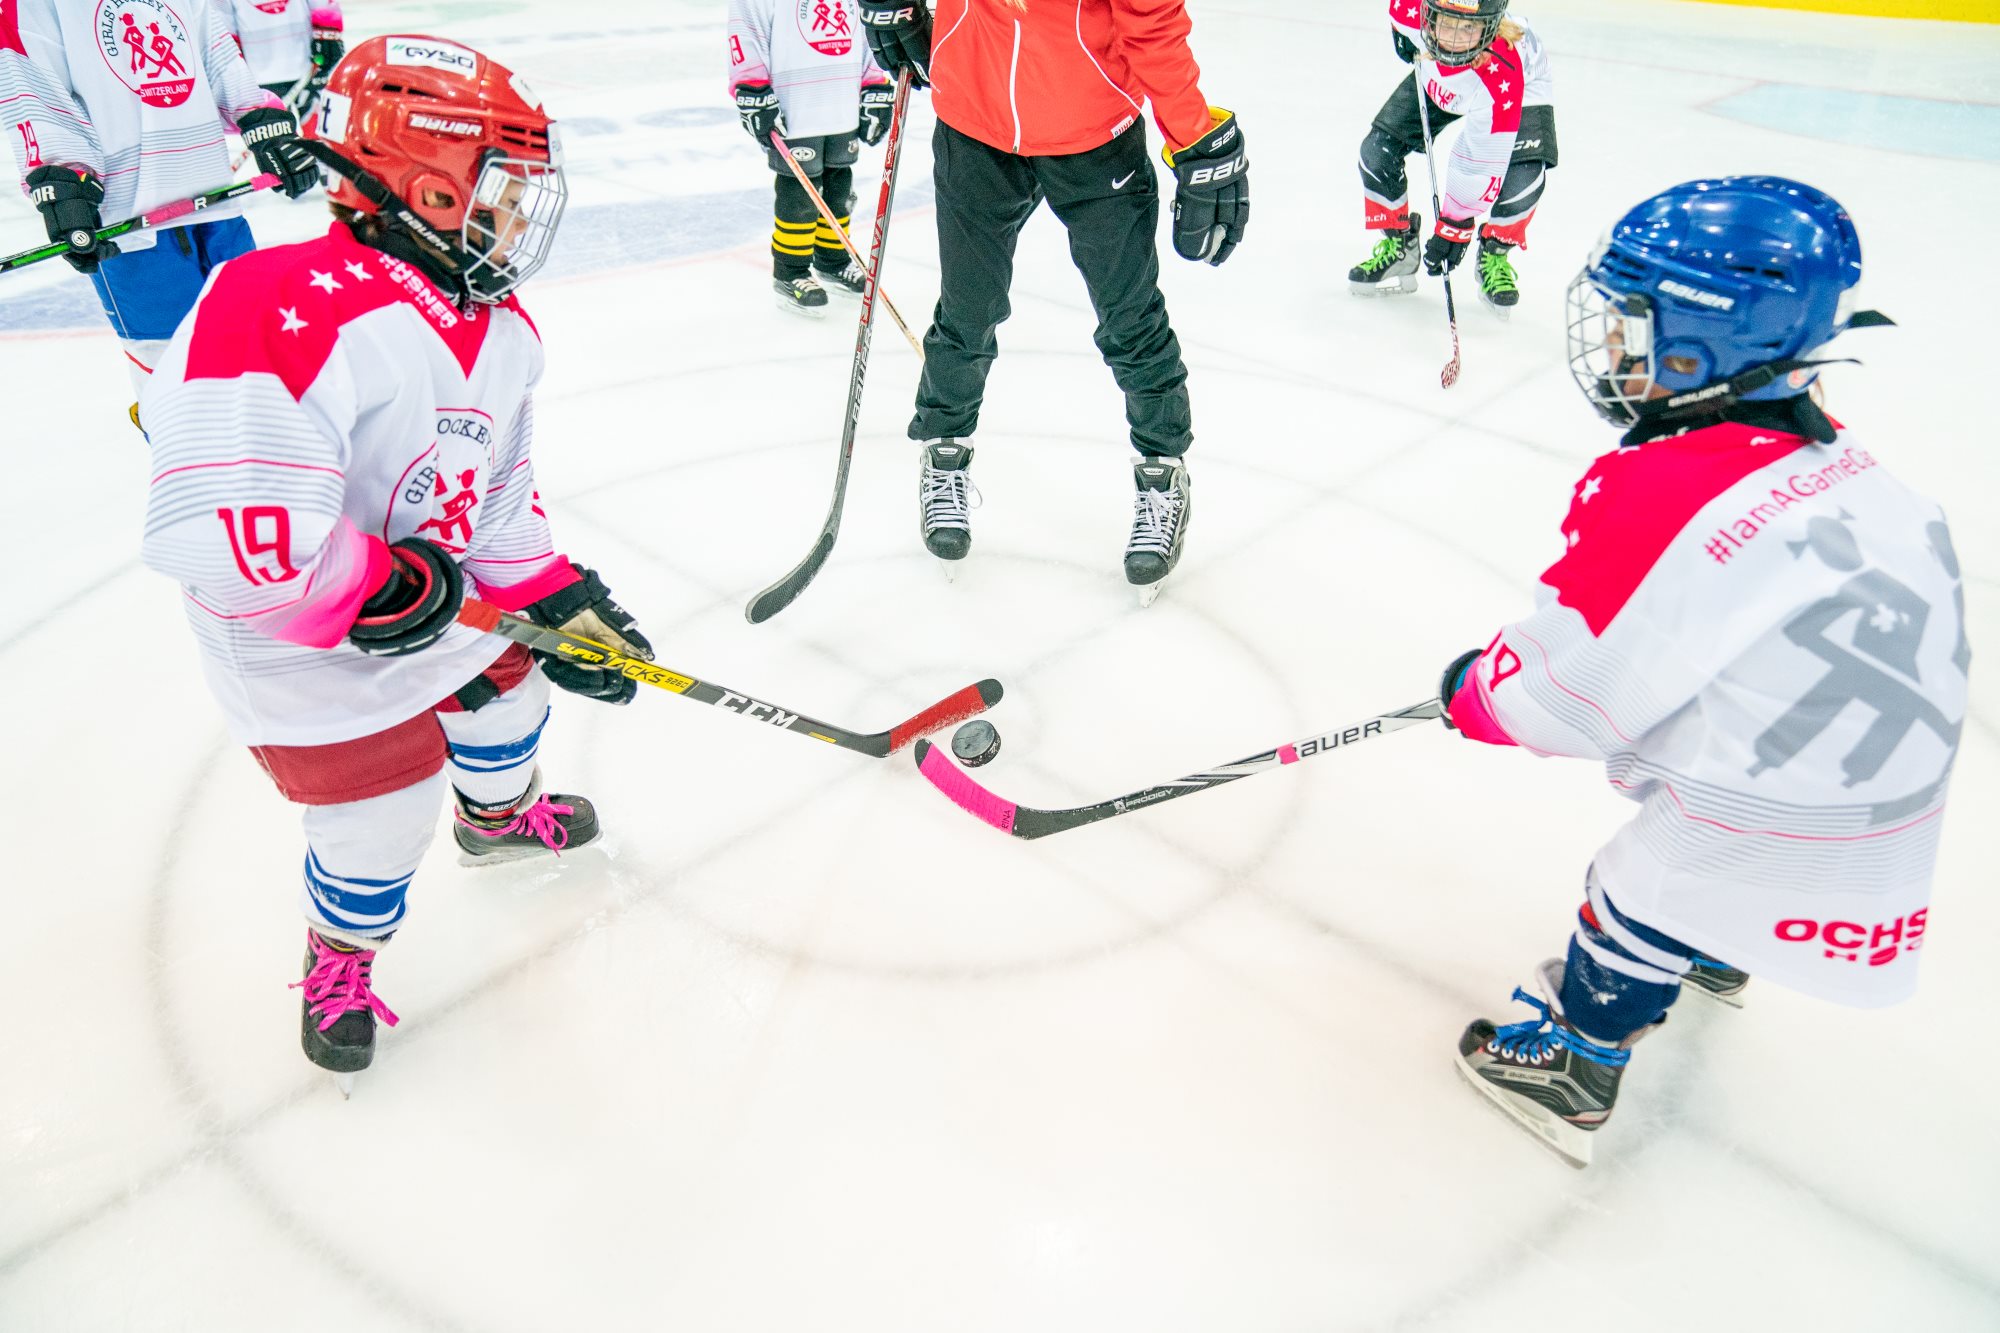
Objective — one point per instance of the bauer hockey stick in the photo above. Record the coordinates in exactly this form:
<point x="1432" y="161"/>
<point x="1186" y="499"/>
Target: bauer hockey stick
<point x="1449" y="376"/>
<point x="1027" y="822"/>
<point x="968" y="702"/>
<point x="160" y="216"/>
<point x="819" y="202"/>
<point x="786" y="590"/>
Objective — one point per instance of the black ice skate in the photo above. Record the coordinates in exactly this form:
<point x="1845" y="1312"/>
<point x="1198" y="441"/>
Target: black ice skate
<point x="1392" y="268"/>
<point x="945" y="496"/>
<point x="1161" y="506"/>
<point x="801" y="295"/>
<point x="1718" y="981"/>
<point x="1497" y="286"/>
<point x="849" y="281"/>
<point x="337" y="1021"/>
<point x="539" y="824"/>
<point x="1544" y="1074"/>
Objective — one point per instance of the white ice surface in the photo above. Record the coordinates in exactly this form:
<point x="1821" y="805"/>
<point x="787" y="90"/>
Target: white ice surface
<point x="806" y="1048"/>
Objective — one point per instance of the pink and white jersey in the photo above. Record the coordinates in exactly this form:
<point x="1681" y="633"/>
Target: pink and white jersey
<point x="1489" y="95"/>
<point x="276" y="37"/>
<point x="323" y="400"/>
<point x="141" y="92"/>
<point x="1763" y="638"/>
<point x="814" y="55"/>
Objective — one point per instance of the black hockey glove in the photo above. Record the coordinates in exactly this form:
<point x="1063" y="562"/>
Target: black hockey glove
<point x="329" y="44"/>
<point x="757" y="107"/>
<point x="416" y="603"/>
<point x="272" y="135"/>
<point x="586" y="610"/>
<point x="1406" y="50"/>
<point x="899" y="33"/>
<point x="878" y="104"/>
<point x="1212" y="198"/>
<point x="1447" y="245"/>
<point x="1453" y="679"/>
<point x="68" y="198"/>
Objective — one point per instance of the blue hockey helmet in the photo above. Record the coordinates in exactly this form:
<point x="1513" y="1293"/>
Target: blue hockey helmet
<point x="1717" y="291"/>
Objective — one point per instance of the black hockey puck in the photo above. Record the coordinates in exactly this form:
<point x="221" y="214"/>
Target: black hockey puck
<point x="975" y="743"/>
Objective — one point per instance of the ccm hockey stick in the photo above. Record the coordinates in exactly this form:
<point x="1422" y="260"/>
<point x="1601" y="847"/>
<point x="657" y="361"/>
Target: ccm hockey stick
<point x="1449" y="376"/>
<point x="968" y="702"/>
<point x="1027" y="822"/>
<point x="833" y="223"/>
<point x="786" y="590"/>
<point x="159" y="217"/>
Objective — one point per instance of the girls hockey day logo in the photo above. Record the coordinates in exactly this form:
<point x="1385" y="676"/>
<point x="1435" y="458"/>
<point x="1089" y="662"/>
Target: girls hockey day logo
<point x="147" y="47"/>
<point x="825" y="26"/>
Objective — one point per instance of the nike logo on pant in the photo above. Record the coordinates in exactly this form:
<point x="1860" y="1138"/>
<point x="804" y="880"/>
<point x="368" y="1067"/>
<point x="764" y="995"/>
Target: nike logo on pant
<point x="1119" y="184"/>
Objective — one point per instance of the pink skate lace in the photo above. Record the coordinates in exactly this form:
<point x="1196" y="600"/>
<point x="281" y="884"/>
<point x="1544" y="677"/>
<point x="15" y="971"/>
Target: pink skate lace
<point x="339" y="983"/>
<point x="537" y="821"/>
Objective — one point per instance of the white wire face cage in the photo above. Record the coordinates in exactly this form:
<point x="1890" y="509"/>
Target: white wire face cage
<point x="510" y="226"/>
<point x="1610" y="348"/>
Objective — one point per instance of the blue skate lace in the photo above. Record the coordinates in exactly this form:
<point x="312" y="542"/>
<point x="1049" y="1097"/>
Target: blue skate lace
<point x="1536" y="1037"/>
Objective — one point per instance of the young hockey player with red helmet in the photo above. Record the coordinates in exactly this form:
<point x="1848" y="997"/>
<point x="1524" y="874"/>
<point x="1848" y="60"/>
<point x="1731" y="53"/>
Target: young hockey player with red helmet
<point x="340" y="436"/>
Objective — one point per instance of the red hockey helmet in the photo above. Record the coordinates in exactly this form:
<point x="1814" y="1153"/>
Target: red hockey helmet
<point x="456" y="138"/>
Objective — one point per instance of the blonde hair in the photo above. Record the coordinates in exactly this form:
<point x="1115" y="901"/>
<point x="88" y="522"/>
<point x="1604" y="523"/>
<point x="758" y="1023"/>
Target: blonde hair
<point x="1021" y="5"/>
<point x="1510" y="31"/>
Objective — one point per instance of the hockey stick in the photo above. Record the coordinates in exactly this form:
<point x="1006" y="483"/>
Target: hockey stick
<point x="160" y="216"/>
<point x="968" y="702"/>
<point x="819" y="202"/>
<point x="1027" y="822"/>
<point x="786" y="590"/>
<point x="1449" y="376"/>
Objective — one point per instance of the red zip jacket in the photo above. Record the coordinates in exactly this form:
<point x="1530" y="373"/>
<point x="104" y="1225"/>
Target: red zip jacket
<point x="1064" y="76"/>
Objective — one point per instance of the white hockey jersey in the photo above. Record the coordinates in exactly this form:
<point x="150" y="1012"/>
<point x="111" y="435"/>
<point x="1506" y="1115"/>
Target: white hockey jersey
<point x="1763" y="638"/>
<point x="276" y="37"/>
<point x="141" y="92"/>
<point x="812" y="52"/>
<point x="1490" y="96"/>
<point x="323" y="400"/>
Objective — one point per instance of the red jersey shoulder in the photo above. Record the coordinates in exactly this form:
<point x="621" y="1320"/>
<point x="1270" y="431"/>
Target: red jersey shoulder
<point x="1505" y="82"/>
<point x="1632" y="503"/>
<point x="280" y="311"/>
<point x="10" y="27"/>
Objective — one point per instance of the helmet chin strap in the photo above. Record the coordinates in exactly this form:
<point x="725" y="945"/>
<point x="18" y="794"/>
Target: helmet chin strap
<point x="440" y="259"/>
<point x="1714" y="399"/>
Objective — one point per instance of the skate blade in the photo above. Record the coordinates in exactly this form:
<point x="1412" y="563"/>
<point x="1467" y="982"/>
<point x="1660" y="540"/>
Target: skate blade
<point x="1403" y="286"/>
<point x="516" y="855"/>
<point x="1503" y="313"/>
<point x="345" y="1082"/>
<point x="950" y="570"/>
<point x="802" y="311"/>
<point x="1566" y="1141"/>
<point x="1730" y="1001"/>
<point x="1150" y="593"/>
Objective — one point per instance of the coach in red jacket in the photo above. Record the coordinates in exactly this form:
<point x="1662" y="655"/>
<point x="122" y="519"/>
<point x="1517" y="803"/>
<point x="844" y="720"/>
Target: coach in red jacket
<point x="1043" y="99"/>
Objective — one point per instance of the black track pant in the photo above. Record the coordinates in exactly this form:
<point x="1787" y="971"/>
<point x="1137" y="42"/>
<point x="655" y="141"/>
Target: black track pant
<point x="1108" y="199"/>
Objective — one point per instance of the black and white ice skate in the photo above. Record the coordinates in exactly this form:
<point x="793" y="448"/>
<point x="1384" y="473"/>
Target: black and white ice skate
<point x="1718" y="981"/>
<point x="1391" y="269"/>
<point x="945" y="496"/>
<point x="1544" y="1074"/>
<point x="542" y="824"/>
<point x="337" y="1016"/>
<point x="801" y="296"/>
<point x="849" y="281"/>
<point x="1497" y="284"/>
<point x="1162" y="502"/>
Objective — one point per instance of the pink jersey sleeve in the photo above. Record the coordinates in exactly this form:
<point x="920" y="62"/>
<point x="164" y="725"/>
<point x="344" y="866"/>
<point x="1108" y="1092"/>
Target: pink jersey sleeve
<point x="228" y="73"/>
<point x="45" y="124"/>
<point x="250" y="426"/>
<point x="749" y="42"/>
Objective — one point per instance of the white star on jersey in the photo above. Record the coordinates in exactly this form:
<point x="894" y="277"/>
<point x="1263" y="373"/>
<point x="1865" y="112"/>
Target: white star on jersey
<point x="1591" y="486"/>
<point x="360" y="274"/>
<point x="292" y="321"/>
<point x="325" y="282"/>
